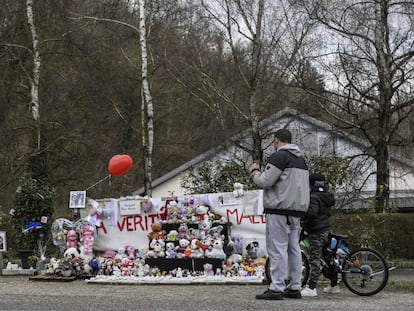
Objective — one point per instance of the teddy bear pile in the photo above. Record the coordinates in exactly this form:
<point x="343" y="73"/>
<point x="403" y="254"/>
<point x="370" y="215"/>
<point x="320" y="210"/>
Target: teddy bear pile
<point x="188" y="231"/>
<point x="188" y="240"/>
<point x="196" y="240"/>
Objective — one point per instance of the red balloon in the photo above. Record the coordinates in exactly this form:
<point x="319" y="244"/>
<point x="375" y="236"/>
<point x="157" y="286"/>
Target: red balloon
<point x="119" y="164"/>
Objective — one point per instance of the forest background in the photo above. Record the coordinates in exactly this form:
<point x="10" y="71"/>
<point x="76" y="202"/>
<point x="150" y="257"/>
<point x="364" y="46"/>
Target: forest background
<point x="215" y="68"/>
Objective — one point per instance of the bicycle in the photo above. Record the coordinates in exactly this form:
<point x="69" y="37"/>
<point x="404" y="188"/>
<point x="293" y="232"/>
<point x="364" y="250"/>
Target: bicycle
<point x="364" y="271"/>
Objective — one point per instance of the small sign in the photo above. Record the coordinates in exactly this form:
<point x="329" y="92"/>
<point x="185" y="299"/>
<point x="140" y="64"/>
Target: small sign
<point x="3" y="244"/>
<point x="130" y="207"/>
<point x="77" y="199"/>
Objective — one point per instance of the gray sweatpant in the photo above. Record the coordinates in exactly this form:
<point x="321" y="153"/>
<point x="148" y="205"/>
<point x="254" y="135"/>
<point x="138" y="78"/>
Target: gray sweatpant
<point x="282" y="243"/>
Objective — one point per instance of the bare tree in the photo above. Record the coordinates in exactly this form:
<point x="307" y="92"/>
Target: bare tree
<point x="262" y="40"/>
<point x="147" y="123"/>
<point x="369" y="65"/>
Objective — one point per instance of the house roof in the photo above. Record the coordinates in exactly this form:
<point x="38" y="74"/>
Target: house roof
<point x="284" y="113"/>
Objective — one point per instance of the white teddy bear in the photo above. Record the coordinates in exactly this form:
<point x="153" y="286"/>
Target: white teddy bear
<point x="216" y="250"/>
<point x="238" y="189"/>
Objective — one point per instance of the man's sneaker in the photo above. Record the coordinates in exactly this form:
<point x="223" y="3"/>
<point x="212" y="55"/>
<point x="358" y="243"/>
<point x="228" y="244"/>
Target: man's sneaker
<point x="292" y="294"/>
<point x="270" y="295"/>
<point x="332" y="289"/>
<point x="308" y="292"/>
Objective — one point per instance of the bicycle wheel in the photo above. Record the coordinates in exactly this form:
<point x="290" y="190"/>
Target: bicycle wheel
<point x="365" y="272"/>
<point x="305" y="270"/>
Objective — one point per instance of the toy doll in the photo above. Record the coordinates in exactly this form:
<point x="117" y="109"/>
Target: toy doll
<point x="71" y="239"/>
<point x="88" y="239"/>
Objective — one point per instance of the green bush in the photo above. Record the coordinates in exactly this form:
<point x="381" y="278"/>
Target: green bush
<point x="391" y="234"/>
<point x="34" y="199"/>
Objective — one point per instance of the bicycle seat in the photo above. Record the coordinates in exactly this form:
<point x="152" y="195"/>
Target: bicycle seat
<point x="339" y="236"/>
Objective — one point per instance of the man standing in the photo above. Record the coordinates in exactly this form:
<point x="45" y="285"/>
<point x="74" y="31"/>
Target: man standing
<point x="285" y="199"/>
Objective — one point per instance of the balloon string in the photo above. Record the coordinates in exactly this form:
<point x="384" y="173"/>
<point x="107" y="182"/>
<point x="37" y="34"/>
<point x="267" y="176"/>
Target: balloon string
<point x="106" y="177"/>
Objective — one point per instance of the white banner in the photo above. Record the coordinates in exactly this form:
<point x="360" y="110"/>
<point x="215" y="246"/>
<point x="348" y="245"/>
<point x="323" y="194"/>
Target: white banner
<point x="242" y="211"/>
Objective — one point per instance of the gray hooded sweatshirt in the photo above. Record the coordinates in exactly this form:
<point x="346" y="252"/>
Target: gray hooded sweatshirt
<point x="285" y="182"/>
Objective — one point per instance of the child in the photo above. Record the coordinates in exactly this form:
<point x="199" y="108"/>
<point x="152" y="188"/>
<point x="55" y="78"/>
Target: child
<point x="316" y="224"/>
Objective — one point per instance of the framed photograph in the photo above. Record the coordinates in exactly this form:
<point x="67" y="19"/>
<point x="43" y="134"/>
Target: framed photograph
<point x="3" y="243"/>
<point x="77" y="199"/>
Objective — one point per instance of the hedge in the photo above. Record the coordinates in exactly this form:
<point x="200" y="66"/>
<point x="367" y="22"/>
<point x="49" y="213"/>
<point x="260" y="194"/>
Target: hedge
<point x="391" y="234"/>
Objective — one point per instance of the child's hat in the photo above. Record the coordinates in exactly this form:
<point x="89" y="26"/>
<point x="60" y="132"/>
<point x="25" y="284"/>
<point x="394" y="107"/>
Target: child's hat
<point x="317" y="181"/>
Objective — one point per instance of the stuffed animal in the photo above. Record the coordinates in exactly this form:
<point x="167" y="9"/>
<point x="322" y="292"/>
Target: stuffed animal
<point x="71" y="253"/>
<point x="72" y="239"/>
<point x="206" y="244"/>
<point x="216" y="218"/>
<point x="196" y="250"/>
<point x="172" y="236"/>
<point x="191" y="203"/>
<point x="120" y="253"/>
<point x="108" y="266"/>
<point x="238" y="244"/>
<point x="131" y="252"/>
<point x="170" y="250"/>
<point x="182" y="247"/>
<point x="254" y="250"/>
<point x="208" y="269"/>
<point x="183" y="231"/>
<point x="77" y="265"/>
<point x="139" y="270"/>
<point x="227" y="268"/>
<point x="146" y="204"/>
<point x="216" y="250"/>
<point x="238" y="189"/>
<point x="204" y="227"/>
<point x="200" y="213"/>
<point x="188" y="251"/>
<point x="183" y="213"/>
<point x="196" y="234"/>
<point x="158" y="247"/>
<point x="88" y="239"/>
<point x="174" y="215"/>
<point x="215" y="231"/>
<point x="156" y="232"/>
<point x="94" y="264"/>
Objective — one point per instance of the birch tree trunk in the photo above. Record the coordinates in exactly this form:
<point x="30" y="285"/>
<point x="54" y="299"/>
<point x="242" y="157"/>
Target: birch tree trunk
<point x="34" y="79"/>
<point x="148" y="126"/>
<point x="37" y="164"/>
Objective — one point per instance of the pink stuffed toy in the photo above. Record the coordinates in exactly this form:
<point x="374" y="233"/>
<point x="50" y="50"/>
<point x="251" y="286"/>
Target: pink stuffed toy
<point x="88" y="239"/>
<point x="131" y="252"/>
<point x="71" y="239"/>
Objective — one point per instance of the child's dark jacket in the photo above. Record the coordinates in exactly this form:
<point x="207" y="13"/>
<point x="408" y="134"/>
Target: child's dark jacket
<point x="317" y="217"/>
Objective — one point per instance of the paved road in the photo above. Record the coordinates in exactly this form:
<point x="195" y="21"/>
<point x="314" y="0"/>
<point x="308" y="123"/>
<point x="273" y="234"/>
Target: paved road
<point x="402" y="274"/>
<point x="18" y="293"/>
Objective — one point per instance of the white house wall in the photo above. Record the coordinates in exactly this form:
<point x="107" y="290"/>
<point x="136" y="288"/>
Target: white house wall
<point x="402" y="178"/>
<point x="169" y="187"/>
